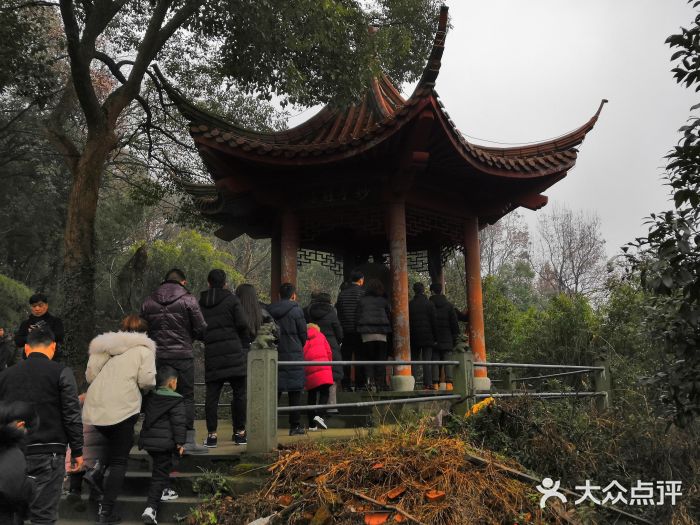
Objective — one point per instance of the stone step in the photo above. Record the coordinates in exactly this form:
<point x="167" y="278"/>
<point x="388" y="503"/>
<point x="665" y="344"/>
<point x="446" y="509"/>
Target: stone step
<point x="216" y="459"/>
<point x="137" y="483"/>
<point x="129" y="508"/>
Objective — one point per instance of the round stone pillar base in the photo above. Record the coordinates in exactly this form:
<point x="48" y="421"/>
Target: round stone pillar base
<point x="482" y="384"/>
<point x="403" y="383"/>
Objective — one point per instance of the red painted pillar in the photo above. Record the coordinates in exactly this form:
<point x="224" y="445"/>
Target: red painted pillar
<point x="275" y="267"/>
<point x="472" y="261"/>
<point x="289" y="247"/>
<point x="399" y="295"/>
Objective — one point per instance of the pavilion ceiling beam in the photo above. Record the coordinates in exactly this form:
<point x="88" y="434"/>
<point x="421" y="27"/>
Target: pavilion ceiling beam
<point x="415" y="156"/>
<point x="533" y="201"/>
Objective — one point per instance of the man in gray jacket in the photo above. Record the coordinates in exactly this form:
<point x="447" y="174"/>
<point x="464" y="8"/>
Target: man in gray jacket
<point x="174" y="322"/>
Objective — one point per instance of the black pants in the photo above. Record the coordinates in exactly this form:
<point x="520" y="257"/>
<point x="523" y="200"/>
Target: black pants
<point x="185" y="383"/>
<point x="318" y="396"/>
<point x="48" y="471"/>
<point x="442" y="355"/>
<point x="120" y="439"/>
<point x="374" y="351"/>
<point x="160" y="477"/>
<point x="238" y="403"/>
<point x="352" y="344"/>
<point x="423" y="353"/>
<point x="294" y="401"/>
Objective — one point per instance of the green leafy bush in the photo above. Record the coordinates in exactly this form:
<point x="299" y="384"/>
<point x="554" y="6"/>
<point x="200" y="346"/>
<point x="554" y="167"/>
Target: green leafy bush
<point x="13" y="302"/>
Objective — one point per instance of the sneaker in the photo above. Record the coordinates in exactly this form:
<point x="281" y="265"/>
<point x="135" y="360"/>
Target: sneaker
<point x="107" y="516"/>
<point x="149" y="516"/>
<point x="73" y="496"/>
<point x="321" y="422"/>
<point x="296" y="431"/>
<point x="211" y="441"/>
<point x="313" y="429"/>
<point x="169" y="495"/>
<point x="239" y="438"/>
<point x="450" y="386"/>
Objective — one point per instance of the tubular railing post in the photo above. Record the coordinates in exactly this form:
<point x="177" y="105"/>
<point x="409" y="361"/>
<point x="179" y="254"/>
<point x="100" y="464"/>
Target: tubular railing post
<point x="464" y="382"/>
<point x="510" y="380"/>
<point x="261" y="424"/>
<point x="601" y="383"/>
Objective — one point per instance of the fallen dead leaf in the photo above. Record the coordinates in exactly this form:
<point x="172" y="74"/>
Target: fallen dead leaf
<point x="376" y="518"/>
<point x="396" y="492"/>
<point x="285" y="500"/>
<point x="435" y="495"/>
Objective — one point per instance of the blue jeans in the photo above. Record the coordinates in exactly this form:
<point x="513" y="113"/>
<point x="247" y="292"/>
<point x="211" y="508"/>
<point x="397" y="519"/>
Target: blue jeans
<point x="48" y="471"/>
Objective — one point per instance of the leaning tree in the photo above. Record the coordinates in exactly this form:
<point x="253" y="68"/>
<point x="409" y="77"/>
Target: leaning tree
<point x="303" y="51"/>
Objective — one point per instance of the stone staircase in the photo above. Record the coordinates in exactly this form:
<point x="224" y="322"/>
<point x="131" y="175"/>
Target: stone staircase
<point x="243" y="474"/>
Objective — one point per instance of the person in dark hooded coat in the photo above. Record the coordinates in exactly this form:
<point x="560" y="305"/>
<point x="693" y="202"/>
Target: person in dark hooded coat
<point x="225" y="358"/>
<point x="292" y="337"/>
<point x="447" y="329"/>
<point x="175" y="321"/>
<point x="422" y="322"/>
<point x="16" y="488"/>
<point x="322" y="313"/>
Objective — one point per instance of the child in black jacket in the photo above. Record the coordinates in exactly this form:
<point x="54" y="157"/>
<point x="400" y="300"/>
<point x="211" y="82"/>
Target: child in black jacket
<point x="163" y="434"/>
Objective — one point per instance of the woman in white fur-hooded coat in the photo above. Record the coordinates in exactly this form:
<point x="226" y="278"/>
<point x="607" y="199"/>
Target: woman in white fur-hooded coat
<point x="120" y="366"/>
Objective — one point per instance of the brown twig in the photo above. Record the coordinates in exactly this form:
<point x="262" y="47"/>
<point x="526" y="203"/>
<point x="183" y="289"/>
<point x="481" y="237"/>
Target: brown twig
<point x="522" y="476"/>
<point x="384" y="505"/>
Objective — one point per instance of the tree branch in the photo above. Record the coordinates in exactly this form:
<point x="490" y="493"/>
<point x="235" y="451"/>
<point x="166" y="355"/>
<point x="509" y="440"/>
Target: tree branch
<point x="56" y="132"/>
<point x="80" y="66"/>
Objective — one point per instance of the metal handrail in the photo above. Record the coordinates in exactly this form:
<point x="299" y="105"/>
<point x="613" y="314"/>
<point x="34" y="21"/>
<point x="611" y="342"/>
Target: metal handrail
<point x="426" y="399"/>
<point x="346" y="363"/>
<point x="560" y="374"/>
<point x="535" y="365"/>
<point x="540" y="394"/>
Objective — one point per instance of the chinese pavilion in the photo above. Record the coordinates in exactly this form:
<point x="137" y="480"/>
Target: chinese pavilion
<point x="387" y="177"/>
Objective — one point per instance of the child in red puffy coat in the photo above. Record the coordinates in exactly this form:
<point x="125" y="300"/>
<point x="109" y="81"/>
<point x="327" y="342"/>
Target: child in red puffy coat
<point x="318" y="378"/>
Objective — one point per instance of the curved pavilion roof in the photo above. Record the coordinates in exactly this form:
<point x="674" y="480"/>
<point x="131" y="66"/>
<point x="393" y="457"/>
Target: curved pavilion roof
<point x="371" y="129"/>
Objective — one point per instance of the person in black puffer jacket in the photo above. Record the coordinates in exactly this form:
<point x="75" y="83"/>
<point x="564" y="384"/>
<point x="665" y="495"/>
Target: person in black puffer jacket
<point x="373" y="325"/>
<point x="225" y="359"/>
<point x="322" y="313"/>
<point x="16" y="488"/>
<point x="346" y="306"/>
<point x="292" y="338"/>
<point x="163" y="435"/>
<point x="447" y="332"/>
<point x="422" y="320"/>
<point x="174" y="321"/>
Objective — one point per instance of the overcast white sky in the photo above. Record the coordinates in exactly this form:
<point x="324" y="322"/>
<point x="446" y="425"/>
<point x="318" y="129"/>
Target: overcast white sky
<point x="520" y="71"/>
<point x="528" y="70"/>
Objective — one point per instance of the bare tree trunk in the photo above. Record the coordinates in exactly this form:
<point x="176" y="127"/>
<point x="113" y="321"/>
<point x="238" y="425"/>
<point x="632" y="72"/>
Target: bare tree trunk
<point x="79" y="250"/>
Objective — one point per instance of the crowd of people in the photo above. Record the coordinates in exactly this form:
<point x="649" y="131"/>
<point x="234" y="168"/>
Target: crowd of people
<point x="49" y="430"/>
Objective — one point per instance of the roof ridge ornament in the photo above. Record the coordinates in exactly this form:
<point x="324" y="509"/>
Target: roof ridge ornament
<point x="432" y="68"/>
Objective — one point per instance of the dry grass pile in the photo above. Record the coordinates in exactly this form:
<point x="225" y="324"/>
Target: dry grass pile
<point x="410" y="475"/>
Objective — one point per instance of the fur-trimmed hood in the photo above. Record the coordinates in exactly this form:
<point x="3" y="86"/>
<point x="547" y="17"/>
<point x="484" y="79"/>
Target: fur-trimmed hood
<point x="116" y="343"/>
